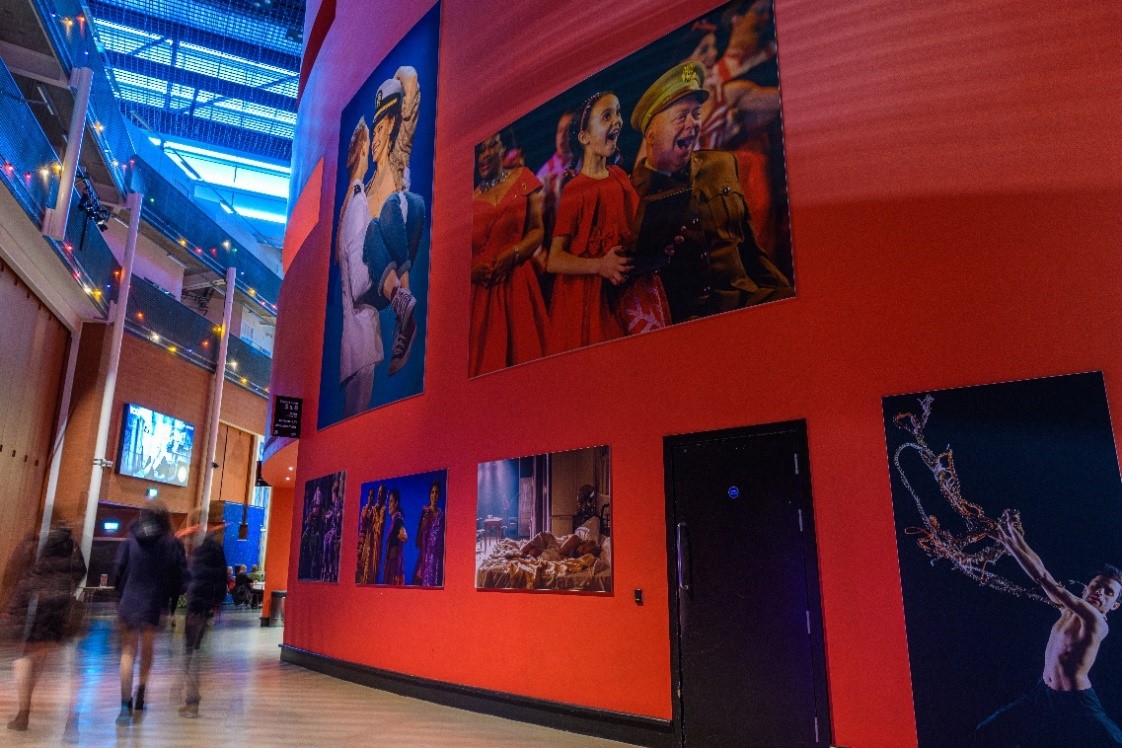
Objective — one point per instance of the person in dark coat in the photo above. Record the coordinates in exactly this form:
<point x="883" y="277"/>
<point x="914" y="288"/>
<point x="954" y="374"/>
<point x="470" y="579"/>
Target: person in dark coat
<point x="44" y="610"/>
<point x="205" y="593"/>
<point x="150" y="567"/>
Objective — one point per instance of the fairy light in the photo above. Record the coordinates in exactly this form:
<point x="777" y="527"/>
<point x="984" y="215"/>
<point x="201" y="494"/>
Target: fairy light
<point x="173" y="348"/>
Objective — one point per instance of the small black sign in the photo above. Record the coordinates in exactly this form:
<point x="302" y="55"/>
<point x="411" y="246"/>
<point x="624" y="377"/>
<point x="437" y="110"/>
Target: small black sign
<point x="286" y="416"/>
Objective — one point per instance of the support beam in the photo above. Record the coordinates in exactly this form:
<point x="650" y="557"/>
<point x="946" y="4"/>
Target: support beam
<point x="216" y="402"/>
<point x="135" y="202"/>
<point x="54" y="224"/>
<point x="60" y="437"/>
<point x="227" y="89"/>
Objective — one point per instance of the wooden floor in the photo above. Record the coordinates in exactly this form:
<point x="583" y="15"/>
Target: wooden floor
<point x="250" y="698"/>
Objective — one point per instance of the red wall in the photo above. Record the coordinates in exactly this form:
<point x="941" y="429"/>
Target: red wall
<point x="954" y="173"/>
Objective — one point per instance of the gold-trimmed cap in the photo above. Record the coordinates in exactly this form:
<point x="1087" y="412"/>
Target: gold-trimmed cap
<point x="678" y="81"/>
<point x="388" y="96"/>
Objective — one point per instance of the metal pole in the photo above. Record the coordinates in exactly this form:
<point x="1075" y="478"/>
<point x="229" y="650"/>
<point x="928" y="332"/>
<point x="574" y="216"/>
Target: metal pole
<point x="60" y="436"/>
<point x="54" y="224"/>
<point x="216" y="401"/>
<point x="134" y="202"/>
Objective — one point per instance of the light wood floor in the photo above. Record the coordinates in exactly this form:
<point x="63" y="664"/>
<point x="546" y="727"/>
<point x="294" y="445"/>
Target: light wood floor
<point x="250" y="698"/>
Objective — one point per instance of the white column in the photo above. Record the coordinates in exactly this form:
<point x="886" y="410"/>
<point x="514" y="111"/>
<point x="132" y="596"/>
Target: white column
<point x="134" y="202"/>
<point x="60" y="436"/>
<point x="216" y="401"/>
<point x="54" y="223"/>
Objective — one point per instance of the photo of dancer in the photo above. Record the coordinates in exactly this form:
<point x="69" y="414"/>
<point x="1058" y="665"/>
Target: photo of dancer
<point x="650" y="194"/>
<point x="401" y="531"/>
<point x="321" y="529"/>
<point x="377" y="300"/>
<point x="1007" y="500"/>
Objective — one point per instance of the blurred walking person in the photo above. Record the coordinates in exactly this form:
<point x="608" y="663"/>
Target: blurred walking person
<point x="150" y="568"/>
<point x="205" y="593"/>
<point x="44" y="613"/>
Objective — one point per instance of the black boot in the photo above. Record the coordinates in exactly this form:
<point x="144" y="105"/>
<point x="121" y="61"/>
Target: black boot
<point x="20" y="721"/>
<point x="138" y="700"/>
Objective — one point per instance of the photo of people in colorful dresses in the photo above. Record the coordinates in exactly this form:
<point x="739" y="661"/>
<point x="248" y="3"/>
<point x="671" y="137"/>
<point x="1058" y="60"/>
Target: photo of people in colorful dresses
<point x="377" y="293"/>
<point x="652" y="193"/>
<point x="401" y="525"/>
<point x="1008" y="508"/>
<point x="544" y="522"/>
<point x="321" y="531"/>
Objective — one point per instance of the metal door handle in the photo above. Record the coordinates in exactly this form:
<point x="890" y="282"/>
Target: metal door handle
<point x="683" y="557"/>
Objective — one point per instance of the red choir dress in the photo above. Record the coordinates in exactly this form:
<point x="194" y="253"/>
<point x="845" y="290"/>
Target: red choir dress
<point x="508" y="319"/>
<point x="598" y="214"/>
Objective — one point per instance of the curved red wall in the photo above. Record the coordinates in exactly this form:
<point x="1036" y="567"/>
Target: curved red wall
<point x="954" y="174"/>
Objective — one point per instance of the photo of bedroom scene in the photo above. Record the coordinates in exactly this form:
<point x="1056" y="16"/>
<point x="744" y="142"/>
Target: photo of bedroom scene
<point x="545" y="522"/>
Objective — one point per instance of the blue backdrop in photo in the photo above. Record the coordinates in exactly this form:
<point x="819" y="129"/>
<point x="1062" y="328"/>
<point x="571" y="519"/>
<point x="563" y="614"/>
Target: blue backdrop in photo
<point x="1046" y="448"/>
<point x="497" y="490"/>
<point x="419" y="50"/>
<point x="414" y="491"/>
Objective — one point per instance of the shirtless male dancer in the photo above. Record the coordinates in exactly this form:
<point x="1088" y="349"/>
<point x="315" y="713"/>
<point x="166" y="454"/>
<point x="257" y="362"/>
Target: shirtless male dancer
<point x="1062" y="709"/>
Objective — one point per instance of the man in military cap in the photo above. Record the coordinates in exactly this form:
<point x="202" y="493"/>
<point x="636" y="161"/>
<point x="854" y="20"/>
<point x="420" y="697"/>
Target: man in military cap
<point x="719" y="266"/>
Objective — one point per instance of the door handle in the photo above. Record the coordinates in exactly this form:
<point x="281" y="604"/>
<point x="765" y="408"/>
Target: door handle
<point x="683" y="557"/>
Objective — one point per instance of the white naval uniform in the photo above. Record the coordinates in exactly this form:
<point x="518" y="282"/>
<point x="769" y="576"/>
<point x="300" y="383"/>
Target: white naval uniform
<point x="361" y="344"/>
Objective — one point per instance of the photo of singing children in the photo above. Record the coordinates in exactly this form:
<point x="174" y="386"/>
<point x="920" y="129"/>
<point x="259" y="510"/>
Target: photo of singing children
<point x="650" y="194"/>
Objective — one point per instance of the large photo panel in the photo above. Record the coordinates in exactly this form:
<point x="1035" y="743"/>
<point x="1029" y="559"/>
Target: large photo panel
<point x="375" y="331"/>
<point x="652" y="193"/>
<point x="997" y="490"/>
<point x="401" y="525"/>
<point x="545" y="522"/>
<point x="321" y="528"/>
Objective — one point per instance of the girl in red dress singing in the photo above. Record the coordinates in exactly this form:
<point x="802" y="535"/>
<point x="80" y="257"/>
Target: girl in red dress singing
<point x="594" y="299"/>
<point x="508" y="314"/>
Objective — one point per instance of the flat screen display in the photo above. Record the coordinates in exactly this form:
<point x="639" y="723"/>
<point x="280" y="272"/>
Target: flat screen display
<point x="155" y="446"/>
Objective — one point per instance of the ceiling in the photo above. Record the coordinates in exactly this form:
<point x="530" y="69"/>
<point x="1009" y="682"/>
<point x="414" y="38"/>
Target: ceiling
<point x="218" y="72"/>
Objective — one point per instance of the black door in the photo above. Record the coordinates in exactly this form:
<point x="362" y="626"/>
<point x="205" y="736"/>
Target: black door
<point x="750" y="667"/>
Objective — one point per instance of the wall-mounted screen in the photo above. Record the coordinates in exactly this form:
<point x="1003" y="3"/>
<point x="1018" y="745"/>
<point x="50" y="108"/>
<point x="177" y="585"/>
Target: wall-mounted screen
<point x="155" y="446"/>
